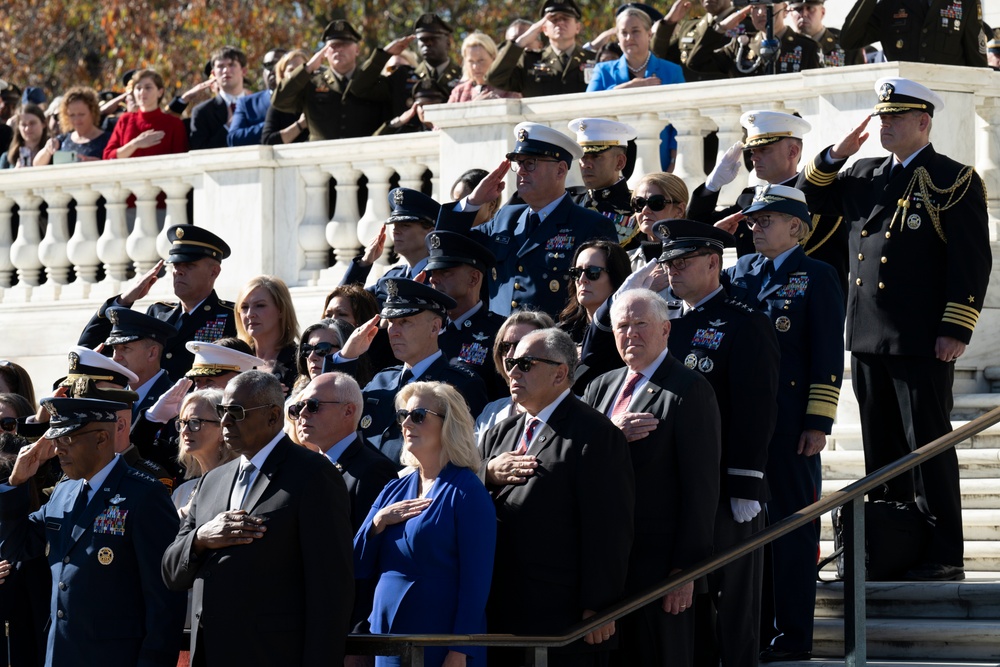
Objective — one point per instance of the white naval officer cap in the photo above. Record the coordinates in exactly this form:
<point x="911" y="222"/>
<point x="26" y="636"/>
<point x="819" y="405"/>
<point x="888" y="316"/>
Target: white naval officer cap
<point x="599" y="134"/>
<point x="211" y="360"/>
<point x="85" y="363"/>
<point x="535" y="139"/>
<point x="767" y="127"/>
<point x="897" y="95"/>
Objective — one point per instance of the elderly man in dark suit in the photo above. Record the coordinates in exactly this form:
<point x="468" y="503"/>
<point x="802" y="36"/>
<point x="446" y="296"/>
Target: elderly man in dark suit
<point x="564" y="492"/>
<point x="103" y="532"/>
<point x="278" y="516"/>
<point x="671" y="416"/>
<point x="533" y="242"/>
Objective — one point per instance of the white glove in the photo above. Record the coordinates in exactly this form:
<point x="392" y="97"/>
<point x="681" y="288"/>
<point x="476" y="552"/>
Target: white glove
<point x="641" y="278"/>
<point x="168" y="405"/>
<point x="744" y="510"/>
<point x="726" y="169"/>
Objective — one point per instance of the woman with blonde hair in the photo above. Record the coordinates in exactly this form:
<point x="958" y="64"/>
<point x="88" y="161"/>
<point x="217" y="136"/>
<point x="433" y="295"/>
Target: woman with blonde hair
<point x="478" y="53"/>
<point x="430" y="536"/>
<point x="202" y="447"/>
<point x="281" y="127"/>
<point x="266" y="321"/>
<point x="657" y="196"/>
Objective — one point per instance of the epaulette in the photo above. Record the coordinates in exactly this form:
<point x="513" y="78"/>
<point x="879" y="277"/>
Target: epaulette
<point x="738" y="305"/>
<point x="138" y="474"/>
<point x="168" y="304"/>
<point x="460" y="366"/>
<point x="227" y="304"/>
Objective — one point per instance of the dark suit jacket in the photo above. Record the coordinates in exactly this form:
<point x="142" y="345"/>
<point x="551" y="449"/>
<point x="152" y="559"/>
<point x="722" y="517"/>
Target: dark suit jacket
<point x="248" y="119"/>
<point x="366" y="471"/>
<point x="676" y="468"/>
<point x="291" y="590"/>
<point x="212" y="320"/>
<point x="563" y="537"/>
<point x="911" y="280"/>
<point x="208" y="124"/>
<point x="531" y="268"/>
<point x="110" y="607"/>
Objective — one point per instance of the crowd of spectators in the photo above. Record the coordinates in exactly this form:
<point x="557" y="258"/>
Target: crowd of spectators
<point x="498" y="421"/>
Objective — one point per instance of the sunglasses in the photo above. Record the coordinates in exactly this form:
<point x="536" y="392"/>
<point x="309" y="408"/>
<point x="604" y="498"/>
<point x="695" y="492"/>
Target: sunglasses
<point x="417" y="415"/>
<point x="524" y="364"/>
<point x="320" y="349"/>
<point x="680" y="263"/>
<point x="193" y="425"/>
<point x="591" y="272"/>
<point x="8" y="424"/>
<point x="311" y="405"/>
<point x="506" y="346"/>
<point x="655" y="203"/>
<point x="237" y="412"/>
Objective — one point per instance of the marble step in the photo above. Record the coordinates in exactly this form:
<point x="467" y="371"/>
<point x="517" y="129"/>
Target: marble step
<point x="981" y="493"/>
<point x="970" y="599"/>
<point x="914" y="638"/>
<point x="850" y="464"/>
<point x="848" y="437"/>
<point x="980" y="556"/>
<point x="978" y="524"/>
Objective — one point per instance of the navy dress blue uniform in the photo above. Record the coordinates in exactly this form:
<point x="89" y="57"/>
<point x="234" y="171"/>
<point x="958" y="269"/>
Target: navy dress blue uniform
<point x="804" y="304"/>
<point x="946" y="32"/>
<point x="109" y="605"/>
<point x="931" y="214"/>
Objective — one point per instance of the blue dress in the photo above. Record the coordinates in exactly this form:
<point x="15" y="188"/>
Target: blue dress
<point x="607" y="75"/>
<point x="435" y="569"/>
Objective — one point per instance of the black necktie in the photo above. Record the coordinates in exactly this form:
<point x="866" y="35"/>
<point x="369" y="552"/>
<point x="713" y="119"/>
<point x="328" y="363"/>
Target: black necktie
<point x="767" y="273"/>
<point x="405" y="377"/>
<point x="533" y="221"/>
<point x="896" y="170"/>
<point x="80" y="505"/>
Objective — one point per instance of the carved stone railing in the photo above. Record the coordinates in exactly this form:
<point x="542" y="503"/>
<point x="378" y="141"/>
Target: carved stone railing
<point x="79" y="231"/>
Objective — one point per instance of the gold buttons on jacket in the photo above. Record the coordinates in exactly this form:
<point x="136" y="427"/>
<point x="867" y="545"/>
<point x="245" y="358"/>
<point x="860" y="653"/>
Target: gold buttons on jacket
<point x="513" y="304"/>
<point x="881" y="285"/>
<point x="861" y="257"/>
<point x="864" y="232"/>
<point x="884" y="260"/>
<point x="857" y="282"/>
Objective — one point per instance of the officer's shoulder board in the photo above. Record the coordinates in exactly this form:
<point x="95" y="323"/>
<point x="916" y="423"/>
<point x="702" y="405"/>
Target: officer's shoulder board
<point x="459" y="366"/>
<point x="142" y="476"/>
<point x="738" y="305"/>
<point x="166" y="304"/>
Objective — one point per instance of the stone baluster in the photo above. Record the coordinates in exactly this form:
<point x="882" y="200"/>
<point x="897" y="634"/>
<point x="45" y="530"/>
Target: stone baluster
<point x="648" y="127"/>
<point x="82" y="246"/>
<point x="24" y="250"/>
<point x="376" y="210"/>
<point x="411" y="175"/>
<point x="342" y="229"/>
<point x="6" y="240"/>
<point x="176" y="190"/>
<point x="111" y="246"/>
<point x="312" y="226"/>
<point x="52" y="249"/>
<point x="141" y="243"/>
<point x="988" y="159"/>
<point x="727" y="119"/>
<point x="691" y="129"/>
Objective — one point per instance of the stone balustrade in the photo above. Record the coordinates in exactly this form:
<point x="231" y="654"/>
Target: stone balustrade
<point x="72" y="235"/>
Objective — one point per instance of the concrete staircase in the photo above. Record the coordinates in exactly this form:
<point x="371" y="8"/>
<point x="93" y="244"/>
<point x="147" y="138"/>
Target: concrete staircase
<point x="909" y="623"/>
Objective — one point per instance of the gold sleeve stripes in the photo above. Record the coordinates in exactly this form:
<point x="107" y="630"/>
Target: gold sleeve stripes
<point x="819" y="177"/>
<point x="961" y="315"/>
<point x="823" y="400"/>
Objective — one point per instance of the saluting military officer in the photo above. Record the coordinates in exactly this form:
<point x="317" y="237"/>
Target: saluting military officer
<point x="103" y="534"/>
<point x="806" y="18"/>
<point x="458" y="266"/>
<point x="605" y="145"/>
<point x="774" y="140"/>
<point x="907" y="325"/>
<point x="736" y="350"/>
<point x="742" y="55"/>
<point x="434" y="42"/>
<point x="562" y="67"/>
<point x="195" y="261"/>
<point x="533" y="242"/>
<point x="804" y="303"/>
<point x="678" y="37"/>
<point x="415" y="314"/>
<point x="340" y="99"/>
<point x="945" y="32"/>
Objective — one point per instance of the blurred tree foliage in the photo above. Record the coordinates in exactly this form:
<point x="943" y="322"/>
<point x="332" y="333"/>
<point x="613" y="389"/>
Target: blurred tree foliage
<point x="55" y="44"/>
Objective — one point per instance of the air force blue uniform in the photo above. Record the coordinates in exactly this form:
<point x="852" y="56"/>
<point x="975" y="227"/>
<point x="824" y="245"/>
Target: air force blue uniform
<point x="109" y="605"/>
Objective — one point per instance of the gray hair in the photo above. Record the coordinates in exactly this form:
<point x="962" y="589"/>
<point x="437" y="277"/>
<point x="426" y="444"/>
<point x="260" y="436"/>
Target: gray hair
<point x="264" y="388"/>
<point x="657" y="304"/>
<point x="559" y="346"/>
<point x="347" y="390"/>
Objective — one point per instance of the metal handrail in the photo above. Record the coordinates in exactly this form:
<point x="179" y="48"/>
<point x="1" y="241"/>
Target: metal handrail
<point x="851" y="497"/>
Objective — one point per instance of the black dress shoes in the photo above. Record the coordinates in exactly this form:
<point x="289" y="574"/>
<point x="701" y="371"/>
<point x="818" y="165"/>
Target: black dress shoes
<point x="776" y="654"/>
<point x="935" y="572"/>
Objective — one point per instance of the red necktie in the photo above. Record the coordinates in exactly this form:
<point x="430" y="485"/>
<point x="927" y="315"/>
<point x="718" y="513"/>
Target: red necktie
<point x="232" y="107"/>
<point x="624" y="398"/>
<point x="526" y="437"/>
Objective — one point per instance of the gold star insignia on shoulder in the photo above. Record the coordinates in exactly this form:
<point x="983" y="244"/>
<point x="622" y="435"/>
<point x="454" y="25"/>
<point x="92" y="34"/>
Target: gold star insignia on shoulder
<point x="972" y="299"/>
